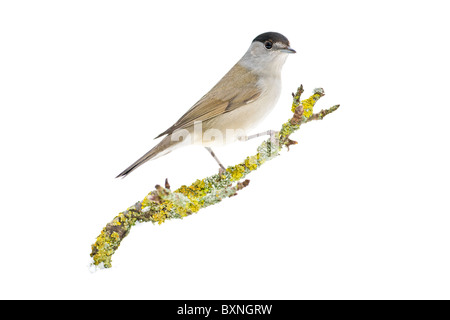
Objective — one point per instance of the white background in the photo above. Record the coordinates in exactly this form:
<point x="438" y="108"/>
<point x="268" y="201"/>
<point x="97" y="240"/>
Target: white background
<point x="358" y="209"/>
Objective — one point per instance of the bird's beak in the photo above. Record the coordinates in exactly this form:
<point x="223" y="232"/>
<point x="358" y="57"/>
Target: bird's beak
<point x="288" y="50"/>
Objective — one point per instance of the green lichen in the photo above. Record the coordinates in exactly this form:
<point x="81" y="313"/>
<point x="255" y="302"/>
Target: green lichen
<point x="287" y="129"/>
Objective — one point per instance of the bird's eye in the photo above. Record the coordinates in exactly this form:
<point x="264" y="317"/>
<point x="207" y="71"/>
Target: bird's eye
<point x="268" y="44"/>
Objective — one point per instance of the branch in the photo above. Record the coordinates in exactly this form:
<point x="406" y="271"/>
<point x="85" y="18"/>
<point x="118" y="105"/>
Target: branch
<point x="163" y="204"/>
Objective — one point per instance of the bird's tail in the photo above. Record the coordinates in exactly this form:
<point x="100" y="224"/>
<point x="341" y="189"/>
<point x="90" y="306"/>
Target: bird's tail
<point x="162" y="148"/>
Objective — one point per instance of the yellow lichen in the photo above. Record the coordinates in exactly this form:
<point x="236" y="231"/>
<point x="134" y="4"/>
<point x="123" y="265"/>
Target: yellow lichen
<point x="159" y="217"/>
<point x="308" y="104"/>
<point x="252" y="162"/>
<point x="195" y="190"/>
<point x="122" y="217"/>
<point x="236" y="172"/>
<point x="115" y="236"/>
<point x="146" y="202"/>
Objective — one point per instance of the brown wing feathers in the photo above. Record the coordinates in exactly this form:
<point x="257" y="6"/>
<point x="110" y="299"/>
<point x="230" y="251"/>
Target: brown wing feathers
<point x="237" y="88"/>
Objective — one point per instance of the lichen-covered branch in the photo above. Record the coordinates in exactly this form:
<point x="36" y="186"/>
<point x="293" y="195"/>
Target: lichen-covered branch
<point x="162" y="203"/>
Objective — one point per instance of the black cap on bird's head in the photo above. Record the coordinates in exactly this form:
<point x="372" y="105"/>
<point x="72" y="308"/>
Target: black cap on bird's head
<point x="269" y="38"/>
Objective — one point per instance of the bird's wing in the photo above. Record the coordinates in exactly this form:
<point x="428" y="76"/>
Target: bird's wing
<point x="236" y="89"/>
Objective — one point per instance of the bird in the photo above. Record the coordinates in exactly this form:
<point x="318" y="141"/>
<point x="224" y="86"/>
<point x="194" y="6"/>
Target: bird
<point x="236" y="104"/>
